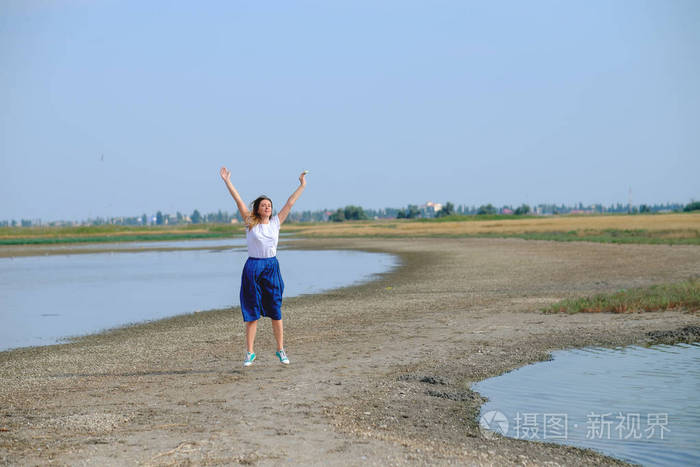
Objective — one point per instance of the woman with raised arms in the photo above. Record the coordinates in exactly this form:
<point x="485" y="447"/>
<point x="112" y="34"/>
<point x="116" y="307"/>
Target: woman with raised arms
<point x="261" y="281"/>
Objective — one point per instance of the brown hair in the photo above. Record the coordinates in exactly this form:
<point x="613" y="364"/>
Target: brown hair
<point x="254" y="218"/>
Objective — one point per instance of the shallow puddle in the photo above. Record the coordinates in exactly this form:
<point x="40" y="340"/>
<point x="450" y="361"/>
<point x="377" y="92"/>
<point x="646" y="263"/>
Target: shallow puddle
<point x="638" y="404"/>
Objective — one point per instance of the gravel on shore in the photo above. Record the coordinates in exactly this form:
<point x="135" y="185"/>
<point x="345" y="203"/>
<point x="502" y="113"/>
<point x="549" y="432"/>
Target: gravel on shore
<point x="380" y="374"/>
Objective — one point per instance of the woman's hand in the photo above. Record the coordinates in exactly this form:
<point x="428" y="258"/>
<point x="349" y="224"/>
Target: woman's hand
<point x="225" y="174"/>
<point x="284" y="212"/>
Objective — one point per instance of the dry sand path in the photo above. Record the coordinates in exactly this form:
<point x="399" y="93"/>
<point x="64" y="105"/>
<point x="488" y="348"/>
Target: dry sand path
<point x="380" y="372"/>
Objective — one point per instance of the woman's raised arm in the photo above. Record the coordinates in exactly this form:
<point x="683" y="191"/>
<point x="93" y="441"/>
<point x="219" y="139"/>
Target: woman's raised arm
<point x="292" y="199"/>
<point x="226" y="175"/>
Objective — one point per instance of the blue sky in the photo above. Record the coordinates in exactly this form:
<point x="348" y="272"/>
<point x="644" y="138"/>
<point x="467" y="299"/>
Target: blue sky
<point x="386" y="103"/>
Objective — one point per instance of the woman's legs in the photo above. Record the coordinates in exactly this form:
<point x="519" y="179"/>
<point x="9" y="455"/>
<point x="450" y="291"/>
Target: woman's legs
<point x="250" y="328"/>
<point x="279" y="333"/>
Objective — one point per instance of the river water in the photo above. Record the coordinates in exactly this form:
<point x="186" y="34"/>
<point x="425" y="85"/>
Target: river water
<point x="46" y="299"/>
<point x="639" y="404"/>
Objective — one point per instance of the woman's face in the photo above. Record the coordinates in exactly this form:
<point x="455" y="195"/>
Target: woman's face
<point x="265" y="208"/>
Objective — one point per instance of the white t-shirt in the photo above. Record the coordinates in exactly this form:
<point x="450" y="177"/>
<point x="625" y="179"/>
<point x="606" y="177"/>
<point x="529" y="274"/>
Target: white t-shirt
<point x="262" y="239"/>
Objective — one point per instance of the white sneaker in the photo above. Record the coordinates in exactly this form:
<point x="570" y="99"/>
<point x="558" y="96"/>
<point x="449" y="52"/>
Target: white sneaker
<point x="249" y="358"/>
<point x="283" y="356"/>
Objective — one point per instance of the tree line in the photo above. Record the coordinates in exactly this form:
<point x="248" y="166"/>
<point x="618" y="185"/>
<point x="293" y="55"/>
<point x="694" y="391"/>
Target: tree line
<point x="352" y="212"/>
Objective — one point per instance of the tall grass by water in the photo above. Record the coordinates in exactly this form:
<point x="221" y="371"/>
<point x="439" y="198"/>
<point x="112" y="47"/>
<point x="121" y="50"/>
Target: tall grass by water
<point x="680" y="295"/>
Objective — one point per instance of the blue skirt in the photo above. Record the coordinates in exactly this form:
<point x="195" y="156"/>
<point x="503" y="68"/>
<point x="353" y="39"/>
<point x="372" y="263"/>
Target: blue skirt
<point x="261" y="289"/>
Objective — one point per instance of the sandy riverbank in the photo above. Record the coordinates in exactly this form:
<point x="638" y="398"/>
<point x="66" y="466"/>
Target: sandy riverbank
<point x="380" y="372"/>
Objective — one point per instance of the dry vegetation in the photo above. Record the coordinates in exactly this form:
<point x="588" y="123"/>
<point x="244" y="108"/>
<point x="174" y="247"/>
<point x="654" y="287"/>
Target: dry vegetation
<point x="672" y="226"/>
<point x="652" y="228"/>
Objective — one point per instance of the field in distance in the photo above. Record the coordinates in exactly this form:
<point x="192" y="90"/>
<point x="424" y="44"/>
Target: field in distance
<point x="682" y="228"/>
<point x="672" y="228"/>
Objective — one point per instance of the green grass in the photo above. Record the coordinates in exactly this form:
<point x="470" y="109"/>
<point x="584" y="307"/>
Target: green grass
<point x="113" y="233"/>
<point x="108" y="238"/>
<point x="112" y="228"/>
<point x="606" y="236"/>
<point x="680" y="295"/>
<point x="612" y="236"/>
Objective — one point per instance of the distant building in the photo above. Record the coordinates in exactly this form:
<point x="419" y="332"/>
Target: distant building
<point x="434" y="206"/>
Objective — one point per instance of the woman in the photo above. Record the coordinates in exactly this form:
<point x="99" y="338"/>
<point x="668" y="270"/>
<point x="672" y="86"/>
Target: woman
<point x="261" y="281"/>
